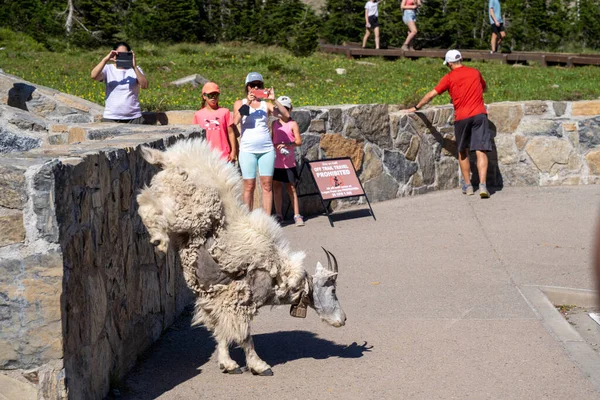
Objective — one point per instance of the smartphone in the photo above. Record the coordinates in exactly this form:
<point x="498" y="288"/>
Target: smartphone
<point x="124" y="59"/>
<point x="260" y="93"/>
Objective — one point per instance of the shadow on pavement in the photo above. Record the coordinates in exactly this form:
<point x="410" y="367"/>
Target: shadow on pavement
<point x="181" y="352"/>
<point x="343" y="215"/>
<point x="175" y="358"/>
<point x="282" y="347"/>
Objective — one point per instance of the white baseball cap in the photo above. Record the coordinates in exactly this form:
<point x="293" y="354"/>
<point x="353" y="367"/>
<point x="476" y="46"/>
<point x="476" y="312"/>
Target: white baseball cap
<point x="452" y="56"/>
<point x="253" y="77"/>
<point x="285" y="101"/>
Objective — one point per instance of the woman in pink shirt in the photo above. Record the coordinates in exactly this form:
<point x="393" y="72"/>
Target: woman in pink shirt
<point x="286" y="136"/>
<point x="217" y="122"/>
<point x="409" y="17"/>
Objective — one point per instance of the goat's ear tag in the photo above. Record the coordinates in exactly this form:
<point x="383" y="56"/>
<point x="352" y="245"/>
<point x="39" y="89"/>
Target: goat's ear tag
<point x="298" y="310"/>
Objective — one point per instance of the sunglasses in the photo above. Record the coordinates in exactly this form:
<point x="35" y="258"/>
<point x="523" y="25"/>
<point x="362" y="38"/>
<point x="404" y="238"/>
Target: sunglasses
<point x="212" y="95"/>
<point x="256" y="84"/>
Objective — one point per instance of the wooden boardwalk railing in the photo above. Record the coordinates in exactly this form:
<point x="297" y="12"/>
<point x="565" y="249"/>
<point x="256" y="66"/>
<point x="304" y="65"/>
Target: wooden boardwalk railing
<point x="352" y="50"/>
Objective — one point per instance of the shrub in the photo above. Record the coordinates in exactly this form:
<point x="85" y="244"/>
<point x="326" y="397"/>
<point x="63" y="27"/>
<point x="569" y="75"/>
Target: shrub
<point x="18" y="41"/>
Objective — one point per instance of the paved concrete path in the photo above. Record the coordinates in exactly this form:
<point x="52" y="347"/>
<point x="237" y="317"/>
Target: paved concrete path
<point x="436" y="310"/>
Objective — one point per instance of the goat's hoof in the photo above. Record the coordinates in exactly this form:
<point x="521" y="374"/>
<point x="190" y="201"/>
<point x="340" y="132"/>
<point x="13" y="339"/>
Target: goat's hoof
<point x="235" y="371"/>
<point x="266" y="372"/>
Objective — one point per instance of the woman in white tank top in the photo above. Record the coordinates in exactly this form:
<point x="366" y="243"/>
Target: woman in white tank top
<point x="256" y="143"/>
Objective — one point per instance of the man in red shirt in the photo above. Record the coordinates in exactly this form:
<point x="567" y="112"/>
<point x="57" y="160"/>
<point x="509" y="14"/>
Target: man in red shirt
<point x="466" y="87"/>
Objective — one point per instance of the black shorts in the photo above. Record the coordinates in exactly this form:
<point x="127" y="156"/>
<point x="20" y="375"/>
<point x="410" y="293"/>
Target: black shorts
<point x="497" y="29"/>
<point x="373" y="21"/>
<point x="473" y="133"/>
<point x="286" y="175"/>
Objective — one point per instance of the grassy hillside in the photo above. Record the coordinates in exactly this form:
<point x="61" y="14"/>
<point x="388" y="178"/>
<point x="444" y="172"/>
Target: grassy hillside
<point x="308" y="81"/>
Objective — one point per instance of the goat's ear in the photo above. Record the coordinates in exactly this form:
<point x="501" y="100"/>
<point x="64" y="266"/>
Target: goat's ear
<point x="319" y="270"/>
<point x="153" y="156"/>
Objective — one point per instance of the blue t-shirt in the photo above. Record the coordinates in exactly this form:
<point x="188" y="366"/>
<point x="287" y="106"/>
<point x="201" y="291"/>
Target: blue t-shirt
<point x="495" y="4"/>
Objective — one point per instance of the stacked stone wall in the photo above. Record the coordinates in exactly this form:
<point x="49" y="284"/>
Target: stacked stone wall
<point x="400" y="154"/>
<point x="82" y="292"/>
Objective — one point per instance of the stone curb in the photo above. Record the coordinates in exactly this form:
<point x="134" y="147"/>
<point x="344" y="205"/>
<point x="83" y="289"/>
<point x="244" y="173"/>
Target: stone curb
<point x="541" y="299"/>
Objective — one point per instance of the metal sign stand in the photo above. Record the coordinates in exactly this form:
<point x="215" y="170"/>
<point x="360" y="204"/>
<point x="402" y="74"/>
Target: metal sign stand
<point x="306" y="162"/>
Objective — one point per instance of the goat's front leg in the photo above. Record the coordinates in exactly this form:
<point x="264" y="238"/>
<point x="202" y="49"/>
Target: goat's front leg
<point x="225" y="362"/>
<point x="253" y="361"/>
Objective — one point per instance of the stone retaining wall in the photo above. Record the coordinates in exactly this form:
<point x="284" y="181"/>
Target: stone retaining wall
<point x="398" y="154"/>
<point x="536" y="143"/>
<point x="82" y="292"/>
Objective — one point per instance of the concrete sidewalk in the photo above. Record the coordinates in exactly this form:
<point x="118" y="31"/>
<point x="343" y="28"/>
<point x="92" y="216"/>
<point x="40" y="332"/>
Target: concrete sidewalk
<point x="436" y="296"/>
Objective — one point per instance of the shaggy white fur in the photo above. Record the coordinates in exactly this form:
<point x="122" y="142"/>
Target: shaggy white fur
<point x="195" y="202"/>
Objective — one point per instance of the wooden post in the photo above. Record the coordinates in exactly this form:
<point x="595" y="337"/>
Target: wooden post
<point x="569" y="61"/>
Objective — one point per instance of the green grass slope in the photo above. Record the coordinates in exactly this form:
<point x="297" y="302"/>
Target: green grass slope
<point x="308" y="81"/>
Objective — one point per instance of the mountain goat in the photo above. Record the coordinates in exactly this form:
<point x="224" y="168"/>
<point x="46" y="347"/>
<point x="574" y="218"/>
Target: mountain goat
<point x="235" y="260"/>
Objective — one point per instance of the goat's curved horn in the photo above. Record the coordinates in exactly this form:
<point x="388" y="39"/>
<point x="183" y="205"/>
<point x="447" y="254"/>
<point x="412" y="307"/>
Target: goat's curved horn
<point x="328" y="259"/>
<point x="335" y="264"/>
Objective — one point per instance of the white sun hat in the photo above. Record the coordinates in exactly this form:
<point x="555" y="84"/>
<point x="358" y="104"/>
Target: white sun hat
<point x="452" y="56"/>
<point x="285" y="101"/>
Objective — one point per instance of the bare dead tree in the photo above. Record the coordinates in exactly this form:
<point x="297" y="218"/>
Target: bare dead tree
<point x="69" y="21"/>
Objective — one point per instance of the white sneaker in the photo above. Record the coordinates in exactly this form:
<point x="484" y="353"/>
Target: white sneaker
<point x="298" y="220"/>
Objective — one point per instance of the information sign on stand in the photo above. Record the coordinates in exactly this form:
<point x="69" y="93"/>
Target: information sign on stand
<point x="335" y="178"/>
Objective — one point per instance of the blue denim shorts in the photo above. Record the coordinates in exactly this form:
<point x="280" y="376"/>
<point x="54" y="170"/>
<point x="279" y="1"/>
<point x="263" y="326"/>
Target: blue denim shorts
<point x="408" y="16"/>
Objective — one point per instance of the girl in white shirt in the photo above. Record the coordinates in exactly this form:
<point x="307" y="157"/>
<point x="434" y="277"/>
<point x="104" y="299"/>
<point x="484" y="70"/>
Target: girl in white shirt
<point x="122" y="87"/>
<point x="371" y="21"/>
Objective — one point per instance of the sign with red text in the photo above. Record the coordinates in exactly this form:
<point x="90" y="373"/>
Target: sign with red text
<point x="336" y="178"/>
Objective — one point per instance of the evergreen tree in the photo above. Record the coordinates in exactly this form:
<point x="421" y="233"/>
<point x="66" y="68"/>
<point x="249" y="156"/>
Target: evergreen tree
<point x="210" y="23"/>
<point x="100" y="21"/>
<point x="434" y="31"/>
<point x="37" y="18"/>
<point x="344" y="20"/>
<point x="588" y="23"/>
<point x="463" y="23"/>
<point x="531" y="24"/>
<point x="163" y="20"/>
<point x="303" y="38"/>
<point x="558" y="24"/>
<point x="393" y="30"/>
<point x="288" y="23"/>
<point x="240" y="19"/>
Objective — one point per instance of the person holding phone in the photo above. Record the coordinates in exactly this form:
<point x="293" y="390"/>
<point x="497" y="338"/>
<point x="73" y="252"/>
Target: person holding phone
<point x="409" y="17"/>
<point x="371" y="22"/>
<point x="256" y="144"/>
<point x="123" y="84"/>
<point x="217" y="122"/>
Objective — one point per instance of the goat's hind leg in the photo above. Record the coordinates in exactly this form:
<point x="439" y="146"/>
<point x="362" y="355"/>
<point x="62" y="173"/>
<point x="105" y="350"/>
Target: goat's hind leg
<point x="206" y="314"/>
<point x="254" y="362"/>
